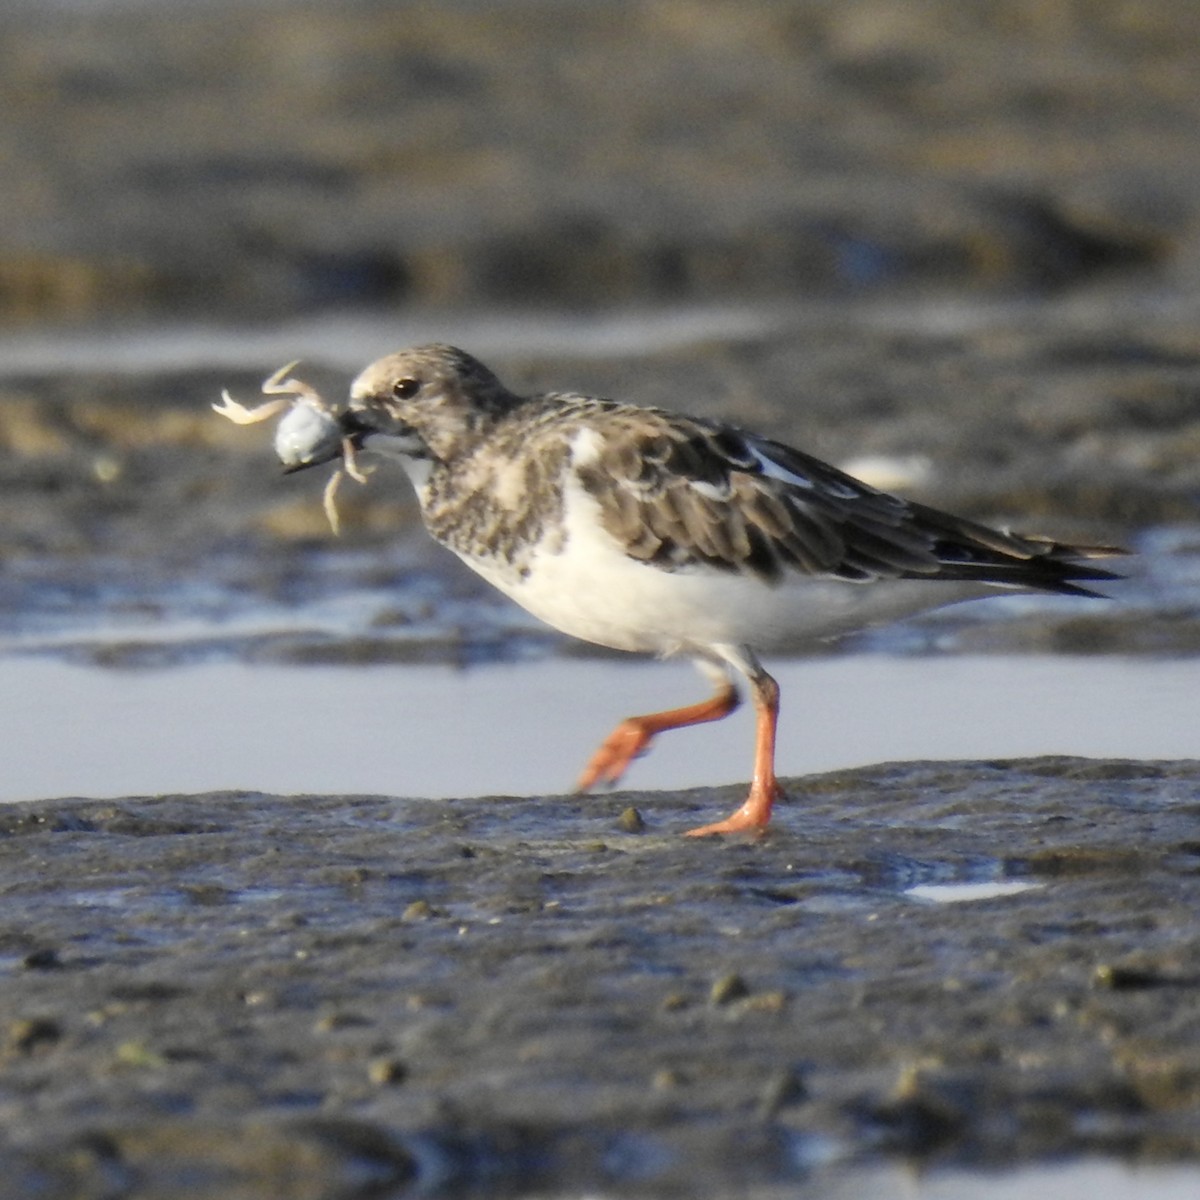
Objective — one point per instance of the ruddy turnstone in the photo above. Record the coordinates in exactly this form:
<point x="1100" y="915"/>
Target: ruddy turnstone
<point x="648" y="531"/>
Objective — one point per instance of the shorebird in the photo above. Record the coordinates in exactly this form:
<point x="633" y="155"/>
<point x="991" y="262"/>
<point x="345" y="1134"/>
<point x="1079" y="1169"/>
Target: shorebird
<point x="649" y="531"/>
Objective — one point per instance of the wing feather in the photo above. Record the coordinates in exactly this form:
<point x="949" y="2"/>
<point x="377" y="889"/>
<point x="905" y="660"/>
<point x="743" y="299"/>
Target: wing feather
<point x="681" y="492"/>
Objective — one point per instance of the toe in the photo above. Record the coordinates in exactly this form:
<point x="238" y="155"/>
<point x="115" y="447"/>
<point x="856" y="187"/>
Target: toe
<point x="612" y="760"/>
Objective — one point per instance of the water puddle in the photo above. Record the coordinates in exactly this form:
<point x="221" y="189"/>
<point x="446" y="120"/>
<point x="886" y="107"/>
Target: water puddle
<point x="336" y="603"/>
<point x="349" y="340"/>
<point x="527" y="728"/>
<point x="958" y="893"/>
<point x="1081" y="1180"/>
<point x="1086" y="1180"/>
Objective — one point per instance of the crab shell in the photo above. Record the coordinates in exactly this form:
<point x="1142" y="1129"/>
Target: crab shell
<point x="307" y="433"/>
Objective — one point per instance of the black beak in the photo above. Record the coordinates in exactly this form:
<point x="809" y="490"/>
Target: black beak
<point x="312" y="462"/>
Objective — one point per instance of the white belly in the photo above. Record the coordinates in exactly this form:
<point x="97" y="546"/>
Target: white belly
<point x="592" y="590"/>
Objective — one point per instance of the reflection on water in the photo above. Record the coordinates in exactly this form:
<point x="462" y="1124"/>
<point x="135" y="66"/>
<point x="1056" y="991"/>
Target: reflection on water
<point x="958" y="893"/>
<point x="333" y="603"/>
<point x="351" y="339"/>
<point x="1086" y="1180"/>
<point x="528" y="728"/>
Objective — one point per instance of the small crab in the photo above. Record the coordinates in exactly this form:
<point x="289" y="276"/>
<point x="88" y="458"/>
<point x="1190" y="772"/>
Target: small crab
<point x="309" y="433"/>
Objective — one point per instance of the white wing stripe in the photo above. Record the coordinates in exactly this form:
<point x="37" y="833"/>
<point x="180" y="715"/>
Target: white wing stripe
<point x="772" y="470"/>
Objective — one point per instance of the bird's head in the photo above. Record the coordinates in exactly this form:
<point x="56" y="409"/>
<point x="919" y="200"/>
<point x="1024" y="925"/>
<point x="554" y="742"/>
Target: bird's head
<point x="430" y="402"/>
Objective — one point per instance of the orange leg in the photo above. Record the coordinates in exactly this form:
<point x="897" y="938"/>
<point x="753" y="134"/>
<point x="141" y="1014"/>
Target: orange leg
<point x="764" y="788"/>
<point x="633" y="736"/>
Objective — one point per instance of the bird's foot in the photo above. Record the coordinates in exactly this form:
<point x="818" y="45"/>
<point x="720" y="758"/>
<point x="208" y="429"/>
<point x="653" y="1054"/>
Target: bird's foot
<point x="628" y="741"/>
<point x="752" y="817"/>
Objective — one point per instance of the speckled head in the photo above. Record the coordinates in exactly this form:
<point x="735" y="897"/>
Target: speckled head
<point x="431" y="401"/>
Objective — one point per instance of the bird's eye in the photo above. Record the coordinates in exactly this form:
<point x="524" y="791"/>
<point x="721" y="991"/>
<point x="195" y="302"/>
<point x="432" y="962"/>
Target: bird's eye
<point x="405" y="389"/>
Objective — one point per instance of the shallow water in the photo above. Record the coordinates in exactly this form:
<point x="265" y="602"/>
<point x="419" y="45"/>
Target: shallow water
<point x="413" y="603"/>
<point x="1084" y="1180"/>
<point x="348" y="340"/>
<point x="962" y="893"/>
<point x="351" y="340"/>
<point x="435" y="731"/>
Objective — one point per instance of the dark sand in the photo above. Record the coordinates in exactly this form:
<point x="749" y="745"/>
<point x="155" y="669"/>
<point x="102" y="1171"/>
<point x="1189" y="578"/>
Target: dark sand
<point x="237" y="994"/>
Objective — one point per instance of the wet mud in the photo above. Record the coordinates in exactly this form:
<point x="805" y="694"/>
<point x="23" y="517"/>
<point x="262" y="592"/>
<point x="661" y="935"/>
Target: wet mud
<point x="241" y="994"/>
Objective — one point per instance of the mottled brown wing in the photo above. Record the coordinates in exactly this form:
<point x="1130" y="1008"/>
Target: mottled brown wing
<point x="680" y="492"/>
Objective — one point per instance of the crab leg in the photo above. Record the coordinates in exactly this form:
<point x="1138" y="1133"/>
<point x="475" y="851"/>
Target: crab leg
<point x="276" y="385"/>
<point x="291" y="391"/>
<point x="239" y="414"/>
<point x="350" y="462"/>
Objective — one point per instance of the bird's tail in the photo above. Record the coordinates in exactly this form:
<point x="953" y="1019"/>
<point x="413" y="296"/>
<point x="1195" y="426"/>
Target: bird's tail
<point x="1066" y="564"/>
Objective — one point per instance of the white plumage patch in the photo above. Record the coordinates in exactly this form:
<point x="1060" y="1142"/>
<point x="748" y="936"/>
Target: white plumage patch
<point x="772" y="470"/>
<point x="591" y="589"/>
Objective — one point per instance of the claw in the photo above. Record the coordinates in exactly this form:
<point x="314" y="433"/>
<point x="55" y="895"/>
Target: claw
<point x="291" y="392"/>
<point x="274" y="382"/>
<point x="239" y="414"/>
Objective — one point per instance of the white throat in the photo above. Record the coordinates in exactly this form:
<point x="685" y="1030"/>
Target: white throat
<point x="408" y="451"/>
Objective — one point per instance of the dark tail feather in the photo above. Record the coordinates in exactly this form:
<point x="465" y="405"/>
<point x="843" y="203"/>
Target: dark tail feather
<point x="1027" y="563"/>
<point x="1070" y="563"/>
<point x="1067" y="551"/>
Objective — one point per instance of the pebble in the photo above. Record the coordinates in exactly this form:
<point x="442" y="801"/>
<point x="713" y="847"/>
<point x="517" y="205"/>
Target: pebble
<point x="387" y="1071"/>
<point x="631" y="821"/>
<point x="728" y="988"/>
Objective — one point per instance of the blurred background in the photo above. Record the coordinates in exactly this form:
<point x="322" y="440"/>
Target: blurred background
<point x="953" y="245"/>
<point x="259" y="160"/>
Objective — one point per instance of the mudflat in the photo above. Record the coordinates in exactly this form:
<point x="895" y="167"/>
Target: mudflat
<point x="261" y="995"/>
